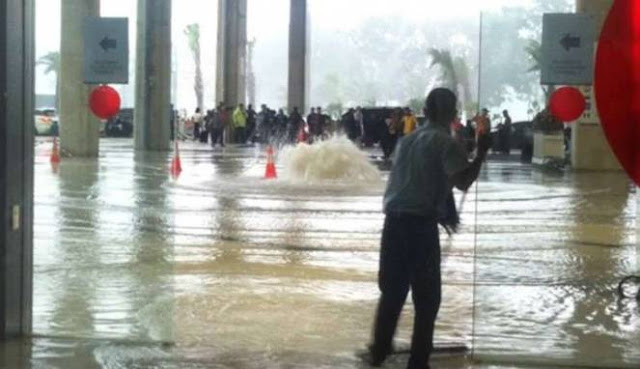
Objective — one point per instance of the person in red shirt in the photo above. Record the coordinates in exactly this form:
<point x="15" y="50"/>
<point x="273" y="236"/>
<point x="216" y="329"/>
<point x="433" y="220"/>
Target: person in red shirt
<point x="456" y="129"/>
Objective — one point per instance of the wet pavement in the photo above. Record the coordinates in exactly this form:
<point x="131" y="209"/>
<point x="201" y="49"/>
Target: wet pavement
<point x="220" y="268"/>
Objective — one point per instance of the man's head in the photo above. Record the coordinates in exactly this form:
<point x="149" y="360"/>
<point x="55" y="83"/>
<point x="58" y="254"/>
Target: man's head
<point x="295" y="109"/>
<point x="313" y="110"/>
<point x="241" y="106"/>
<point x="250" y="107"/>
<point x="319" y="109"/>
<point x="485" y="112"/>
<point x="505" y="113"/>
<point x="440" y="106"/>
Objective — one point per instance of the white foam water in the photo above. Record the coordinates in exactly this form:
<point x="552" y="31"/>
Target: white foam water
<point x="335" y="160"/>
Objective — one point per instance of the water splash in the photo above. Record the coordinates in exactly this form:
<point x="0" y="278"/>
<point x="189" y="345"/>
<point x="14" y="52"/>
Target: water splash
<point x="334" y="160"/>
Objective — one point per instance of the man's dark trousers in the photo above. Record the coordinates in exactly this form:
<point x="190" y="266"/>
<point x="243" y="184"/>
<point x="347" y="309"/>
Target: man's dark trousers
<point x="217" y="136"/>
<point x="409" y="258"/>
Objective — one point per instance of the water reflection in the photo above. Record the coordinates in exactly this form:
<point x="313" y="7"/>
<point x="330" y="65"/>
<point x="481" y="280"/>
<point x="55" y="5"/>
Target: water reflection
<point x="547" y="269"/>
<point x="72" y="312"/>
<point x="229" y="226"/>
<point x="602" y="235"/>
<point x="225" y="264"/>
<point x="152" y="246"/>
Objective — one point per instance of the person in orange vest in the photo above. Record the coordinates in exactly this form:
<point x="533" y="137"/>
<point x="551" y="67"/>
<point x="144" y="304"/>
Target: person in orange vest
<point x="410" y="121"/>
<point x="483" y="123"/>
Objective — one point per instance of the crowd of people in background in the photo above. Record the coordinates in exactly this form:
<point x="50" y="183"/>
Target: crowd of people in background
<point x="240" y="125"/>
<point x="386" y="126"/>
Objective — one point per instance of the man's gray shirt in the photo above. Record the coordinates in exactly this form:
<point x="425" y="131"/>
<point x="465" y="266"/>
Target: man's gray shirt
<point x="423" y="162"/>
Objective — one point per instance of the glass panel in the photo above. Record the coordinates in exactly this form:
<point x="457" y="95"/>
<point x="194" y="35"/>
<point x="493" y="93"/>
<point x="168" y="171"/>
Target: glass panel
<point x="268" y="37"/>
<point x="552" y="242"/>
<point x="377" y="54"/>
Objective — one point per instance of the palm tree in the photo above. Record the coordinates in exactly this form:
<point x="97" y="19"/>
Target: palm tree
<point x="454" y="74"/>
<point x="443" y="59"/>
<point x="51" y="63"/>
<point x="251" y="77"/>
<point x="534" y="50"/>
<point x="192" y="31"/>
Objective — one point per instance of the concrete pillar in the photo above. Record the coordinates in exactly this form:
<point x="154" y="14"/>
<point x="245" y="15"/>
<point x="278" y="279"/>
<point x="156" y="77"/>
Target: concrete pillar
<point x="298" y="56"/>
<point x="153" y="76"/>
<point x="590" y="149"/>
<point x="232" y="52"/>
<point x="79" y="128"/>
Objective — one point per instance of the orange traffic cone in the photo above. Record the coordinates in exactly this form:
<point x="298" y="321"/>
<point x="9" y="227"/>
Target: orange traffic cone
<point x="176" y="163"/>
<point x="270" y="173"/>
<point x="55" y="152"/>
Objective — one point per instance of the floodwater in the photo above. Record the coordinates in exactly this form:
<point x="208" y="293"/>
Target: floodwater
<point x="221" y="268"/>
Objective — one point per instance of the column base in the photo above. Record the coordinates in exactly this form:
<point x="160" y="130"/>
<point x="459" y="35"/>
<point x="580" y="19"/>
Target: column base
<point x="590" y="149"/>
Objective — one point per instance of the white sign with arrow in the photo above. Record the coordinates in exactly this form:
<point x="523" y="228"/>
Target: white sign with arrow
<point x="106" y="50"/>
<point x="567" y="49"/>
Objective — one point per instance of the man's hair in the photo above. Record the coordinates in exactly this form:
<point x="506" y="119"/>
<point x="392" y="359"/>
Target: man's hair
<point x="440" y="105"/>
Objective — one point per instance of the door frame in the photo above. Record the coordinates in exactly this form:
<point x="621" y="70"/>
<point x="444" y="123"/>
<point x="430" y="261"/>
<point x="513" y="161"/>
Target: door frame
<point x="17" y="64"/>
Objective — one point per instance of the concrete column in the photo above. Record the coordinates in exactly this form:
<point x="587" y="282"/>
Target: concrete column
<point x="232" y="52"/>
<point x="153" y="76"/>
<point x="298" y="56"/>
<point x="590" y="149"/>
<point x="79" y="128"/>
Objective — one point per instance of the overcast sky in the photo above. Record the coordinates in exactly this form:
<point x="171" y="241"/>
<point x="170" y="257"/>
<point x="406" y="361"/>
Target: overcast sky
<point x="268" y="19"/>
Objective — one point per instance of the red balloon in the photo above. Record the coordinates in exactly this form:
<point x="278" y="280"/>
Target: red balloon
<point x="104" y="102"/>
<point x="567" y="104"/>
<point x="617" y="83"/>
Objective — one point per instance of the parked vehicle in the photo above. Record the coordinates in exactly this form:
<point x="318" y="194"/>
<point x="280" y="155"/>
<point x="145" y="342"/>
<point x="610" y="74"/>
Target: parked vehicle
<point x="520" y="138"/>
<point x="121" y="125"/>
<point x="46" y="122"/>
<point x="521" y="135"/>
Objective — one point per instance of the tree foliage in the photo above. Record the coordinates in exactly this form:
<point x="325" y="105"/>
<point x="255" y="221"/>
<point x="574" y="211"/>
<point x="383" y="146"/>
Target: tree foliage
<point x="390" y="60"/>
<point x="51" y="64"/>
<point x="454" y="74"/>
<point x="192" y="31"/>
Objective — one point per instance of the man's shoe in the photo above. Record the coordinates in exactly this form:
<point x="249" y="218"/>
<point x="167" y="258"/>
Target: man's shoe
<point x="372" y="358"/>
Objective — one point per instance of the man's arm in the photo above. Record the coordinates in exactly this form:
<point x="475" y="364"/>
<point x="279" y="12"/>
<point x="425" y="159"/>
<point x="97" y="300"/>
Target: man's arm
<point x="464" y="179"/>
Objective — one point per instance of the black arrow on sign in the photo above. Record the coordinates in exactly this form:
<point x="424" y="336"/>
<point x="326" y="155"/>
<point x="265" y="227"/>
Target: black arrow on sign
<point x="108" y="43"/>
<point x="569" y="42"/>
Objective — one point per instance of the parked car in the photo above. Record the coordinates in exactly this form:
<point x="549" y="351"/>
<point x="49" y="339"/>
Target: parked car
<point x="520" y="136"/>
<point x="121" y="125"/>
<point x="46" y="122"/>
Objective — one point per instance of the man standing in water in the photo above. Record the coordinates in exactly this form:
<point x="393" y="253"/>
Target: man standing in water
<point x="426" y="165"/>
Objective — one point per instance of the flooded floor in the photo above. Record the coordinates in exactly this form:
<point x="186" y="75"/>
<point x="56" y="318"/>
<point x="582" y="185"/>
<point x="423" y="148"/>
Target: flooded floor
<point x="220" y="268"/>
